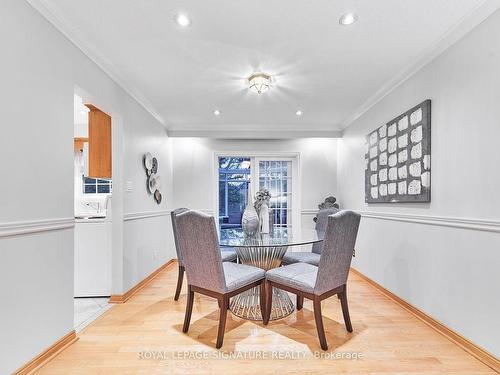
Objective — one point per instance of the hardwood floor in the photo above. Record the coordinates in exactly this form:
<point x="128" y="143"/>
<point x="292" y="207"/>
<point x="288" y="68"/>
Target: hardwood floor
<point x="144" y="336"/>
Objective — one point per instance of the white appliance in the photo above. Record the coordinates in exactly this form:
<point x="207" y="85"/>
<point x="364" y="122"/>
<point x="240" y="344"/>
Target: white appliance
<point x="92" y="206"/>
<point x="93" y="253"/>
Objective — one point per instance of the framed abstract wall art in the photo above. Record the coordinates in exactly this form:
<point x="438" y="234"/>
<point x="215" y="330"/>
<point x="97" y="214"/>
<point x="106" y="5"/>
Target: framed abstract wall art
<point x="398" y="158"/>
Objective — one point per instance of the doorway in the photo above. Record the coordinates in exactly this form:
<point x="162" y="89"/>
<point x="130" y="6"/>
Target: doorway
<point x="278" y="174"/>
<point x="93" y="188"/>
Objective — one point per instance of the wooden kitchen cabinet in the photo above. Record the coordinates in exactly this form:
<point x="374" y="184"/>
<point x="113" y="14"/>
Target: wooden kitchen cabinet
<point x="99" y="143"/>
<point x="78" y="142"/>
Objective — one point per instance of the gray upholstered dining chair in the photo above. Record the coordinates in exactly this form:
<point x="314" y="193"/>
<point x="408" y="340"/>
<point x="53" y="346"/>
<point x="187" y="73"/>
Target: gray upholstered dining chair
<point x="205" y="271"/>
<point x="329" y="278"/>
<point x="312" y="257"/>
<point x="228" y="255"/>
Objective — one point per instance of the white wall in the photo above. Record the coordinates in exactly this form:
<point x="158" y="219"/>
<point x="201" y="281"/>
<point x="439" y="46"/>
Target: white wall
<point x="448" y="271"/>
<point x="147" y="238"/>
<point x="41" y="70"/>
<point x="193" y="168"/>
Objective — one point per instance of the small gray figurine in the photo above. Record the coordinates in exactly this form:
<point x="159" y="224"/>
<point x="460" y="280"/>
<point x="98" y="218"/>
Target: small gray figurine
<point x="328" y="203"/>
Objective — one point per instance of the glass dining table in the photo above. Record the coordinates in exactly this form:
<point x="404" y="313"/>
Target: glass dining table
<point x="265" y="251"/>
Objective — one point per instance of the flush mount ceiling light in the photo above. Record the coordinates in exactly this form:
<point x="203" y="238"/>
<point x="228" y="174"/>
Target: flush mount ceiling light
<point x="299" y="113"/>
<point x="217" y="112"/>
<point x="348" y="19"/>
<point x="182" y="20"/>
<point x="259" y="82"/>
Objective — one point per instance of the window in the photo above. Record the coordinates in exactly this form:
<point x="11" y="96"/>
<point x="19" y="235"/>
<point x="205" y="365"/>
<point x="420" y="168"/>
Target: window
<point x="234" y="177"/>
<point x="97" y="185"/>
<point x="275" y="174"/>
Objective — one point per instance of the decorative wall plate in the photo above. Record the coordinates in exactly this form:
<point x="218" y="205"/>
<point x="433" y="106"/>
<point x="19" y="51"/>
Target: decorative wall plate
<point x="154" y="166"/>
<point x="148" y="161"/>
<point x="157" y="182"/>
<point x="157" y="196"/>
<point x="152" y="183"/>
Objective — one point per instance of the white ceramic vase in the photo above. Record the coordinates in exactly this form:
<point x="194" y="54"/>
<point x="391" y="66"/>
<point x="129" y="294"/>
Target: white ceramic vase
<point x="264" y="218"/>
<point x="250" y="220"/>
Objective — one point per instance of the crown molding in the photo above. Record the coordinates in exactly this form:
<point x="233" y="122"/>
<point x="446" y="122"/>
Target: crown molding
<point x="254" y="134"/>
<point x="52" y="16"/>
<point x="466" y="24"/>
<point x="453" y="35"/>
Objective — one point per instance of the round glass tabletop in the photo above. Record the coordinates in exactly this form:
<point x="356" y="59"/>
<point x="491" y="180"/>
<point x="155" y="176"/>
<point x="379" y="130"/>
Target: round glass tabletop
<point x="234" y="237"/>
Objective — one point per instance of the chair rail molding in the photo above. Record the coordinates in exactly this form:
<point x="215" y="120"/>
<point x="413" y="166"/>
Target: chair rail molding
<point x="144" y="215"/>
<point x="17" y="228"/>
<point x="444" y="221"/>
<point x="150" y="214"/>
<point x="309" y="211"/>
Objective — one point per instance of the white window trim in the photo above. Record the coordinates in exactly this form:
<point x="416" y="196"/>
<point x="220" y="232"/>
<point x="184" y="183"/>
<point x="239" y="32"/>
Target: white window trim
<point x="294" y="157"/>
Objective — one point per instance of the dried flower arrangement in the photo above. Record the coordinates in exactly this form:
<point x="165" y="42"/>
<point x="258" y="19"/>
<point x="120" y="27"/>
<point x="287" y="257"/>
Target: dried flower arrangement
<point x="262" y="196"/>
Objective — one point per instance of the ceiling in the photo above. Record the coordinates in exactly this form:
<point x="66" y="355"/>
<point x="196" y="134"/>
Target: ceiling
<point x="328" y="71"/>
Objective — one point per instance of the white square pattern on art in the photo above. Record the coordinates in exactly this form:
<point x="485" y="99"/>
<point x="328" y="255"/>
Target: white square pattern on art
<point x="382" y="131"/>
<point x="383" y="158"/>
<point x="393" y="145"/>
<point x="398" y="158"/>
<point x="391" y="130"/>
<point x="382" y="145"/>
<point x="393" y="160"/>
<point x="393" y="174"/>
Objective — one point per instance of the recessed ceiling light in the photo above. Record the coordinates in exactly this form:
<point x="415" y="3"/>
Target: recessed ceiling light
<point x="299" y="113"/>
<point x="182" y="20"/>
<point x="217" y="112"/>
<point x="348" y="19"/>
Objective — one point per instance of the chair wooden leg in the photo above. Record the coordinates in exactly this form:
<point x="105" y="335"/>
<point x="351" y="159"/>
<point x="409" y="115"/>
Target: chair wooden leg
<point x="319" y="323"/>
<point x="179" y="283"/>
<point x="300" y="302"/>
<point x="224" y="303"/>
<point x="345" y="309"/>
<point x="268" y="302"/>
<point x="189" y="309"/>
<point x="263" y="309"/>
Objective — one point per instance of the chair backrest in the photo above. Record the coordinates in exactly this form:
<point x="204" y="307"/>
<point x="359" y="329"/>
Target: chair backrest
<point x="197" y="237"/>
<point x="335" y="261"/>
<point x="173" y="217"/>
<point x="320" y="227"/>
